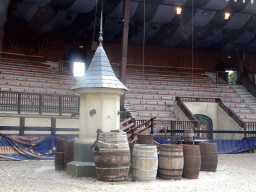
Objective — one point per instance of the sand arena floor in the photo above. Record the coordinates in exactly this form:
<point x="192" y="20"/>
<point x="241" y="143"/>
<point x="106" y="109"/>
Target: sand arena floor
<point x="236" y="172"/>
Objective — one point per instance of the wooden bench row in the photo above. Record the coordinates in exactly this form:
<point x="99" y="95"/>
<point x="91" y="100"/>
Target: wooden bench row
<point x="167" y="79"/>
<point x="36" y="74"/>
<point x="25" y="68"/>
<point x="24" y="63"/>
<point x="35" y="84"/>
<point x="176" y="86"/>
<point x="174" y="82"/>
<point x="10" y="77"/>
<point x="137" y="74"/>
<point x="182" y="92"/>
<point x="51" y="91"/>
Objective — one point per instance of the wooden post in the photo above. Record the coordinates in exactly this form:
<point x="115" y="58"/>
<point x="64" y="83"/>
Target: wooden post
<point x="132" y="134"/>
<point x="78" y="105"/>
<point x="19" y="103"/>
<point x="40" y="105"/>
<point x="60" y="105"/>
<point x="53" y="127"/>
<point x="152" y="125"/>
<point x="22" y="126"/>
<point x="173" y="127"/>
<point x="122" y="72"/>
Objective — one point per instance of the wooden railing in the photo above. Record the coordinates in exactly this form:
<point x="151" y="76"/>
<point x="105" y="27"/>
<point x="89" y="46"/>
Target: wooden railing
<point x="231" y="114"/>
<point x="221" y="77"/>
<point x="64" y="67"/>
<point x="37" y="103"/>
<point x="247" y="80"/>
<point x="127" y="124"/>
<point x="249" y="75"/>
<point x="141" y="128"/>
<point x="187" y="112"/>
<point x="248" y="84"/>
<point x="177" y="125"/>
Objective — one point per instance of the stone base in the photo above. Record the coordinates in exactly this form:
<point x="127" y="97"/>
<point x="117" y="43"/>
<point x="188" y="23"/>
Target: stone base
<point x="83" y="152"/>
<point x="81" y="169"/>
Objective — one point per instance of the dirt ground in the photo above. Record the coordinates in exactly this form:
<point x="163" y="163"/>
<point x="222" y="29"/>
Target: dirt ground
<point x="235" y="172"/>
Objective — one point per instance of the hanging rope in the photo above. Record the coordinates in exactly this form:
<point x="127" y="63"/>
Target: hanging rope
<point x="143" y="46"/>
<point x="95" y="21"/>
<point x="192" y="43"/>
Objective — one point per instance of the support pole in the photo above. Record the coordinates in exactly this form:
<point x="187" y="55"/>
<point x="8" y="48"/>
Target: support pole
<point x="53" y="127"/>
<point x="22" y="126"/>
<point x="122" y="73"/>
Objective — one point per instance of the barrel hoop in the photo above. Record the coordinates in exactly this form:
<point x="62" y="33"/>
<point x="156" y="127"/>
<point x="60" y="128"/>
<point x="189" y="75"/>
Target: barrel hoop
<point x="144" y="169"/>
<point x="170" y="175"/>
<point x="162" y="169"/>
<point x="146" y="158"/>
<point x="117" y="153"/>
<point x="110" y="165"/>
<point x="114" y="168"/>
<point x="171" y="156"/>
<point x="192" y="168"/>
<point x="144" y="151"/>
<point x="172" y="150"/>
<point x="193" y="156"/>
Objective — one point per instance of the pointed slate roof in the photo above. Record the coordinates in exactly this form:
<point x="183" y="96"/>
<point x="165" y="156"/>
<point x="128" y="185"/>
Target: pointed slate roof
<point x="100" y="73"/>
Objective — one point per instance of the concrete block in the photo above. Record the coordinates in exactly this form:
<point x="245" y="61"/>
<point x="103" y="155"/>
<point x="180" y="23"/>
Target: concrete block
<point x="81" y="169"/>
<point x="83" y="152"/>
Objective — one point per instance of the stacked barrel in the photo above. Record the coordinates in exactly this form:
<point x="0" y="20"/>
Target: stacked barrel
<point x="112" y="156"/>
<point x="171" y="161"/>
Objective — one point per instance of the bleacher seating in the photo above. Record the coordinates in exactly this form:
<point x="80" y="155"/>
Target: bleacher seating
<point x="33" y="77"/>
<point x="153" y="94"/>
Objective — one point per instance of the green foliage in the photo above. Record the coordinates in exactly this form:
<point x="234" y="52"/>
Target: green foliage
<point x="232" y="77"/>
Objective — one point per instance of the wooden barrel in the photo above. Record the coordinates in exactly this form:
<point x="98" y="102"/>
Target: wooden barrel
<point x="144" y="162"/>
<point x="170" y="162"/>
<point x="145" y="139"/>
<point x="61" y="145"/>
<point x="188" y="135"/>
<point x="59" y="161"/>
<point x="192" y="161"/>
<point x="112" y="160"/>
<point x="69" y="152"/>
<point x="209" y="157"/>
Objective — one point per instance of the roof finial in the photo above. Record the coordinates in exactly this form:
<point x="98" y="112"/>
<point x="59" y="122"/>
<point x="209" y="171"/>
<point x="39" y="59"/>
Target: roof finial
<point x="101" y="38"/>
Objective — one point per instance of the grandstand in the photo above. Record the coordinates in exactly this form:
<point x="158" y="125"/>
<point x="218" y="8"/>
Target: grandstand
<point x="168" y="62"/>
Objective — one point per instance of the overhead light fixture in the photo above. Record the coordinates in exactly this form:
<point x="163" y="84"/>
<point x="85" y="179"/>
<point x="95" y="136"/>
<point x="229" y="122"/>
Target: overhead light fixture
<point x="252" y="1"/>
<point x="178" y="10"/>
<point x="227" y="15"/>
